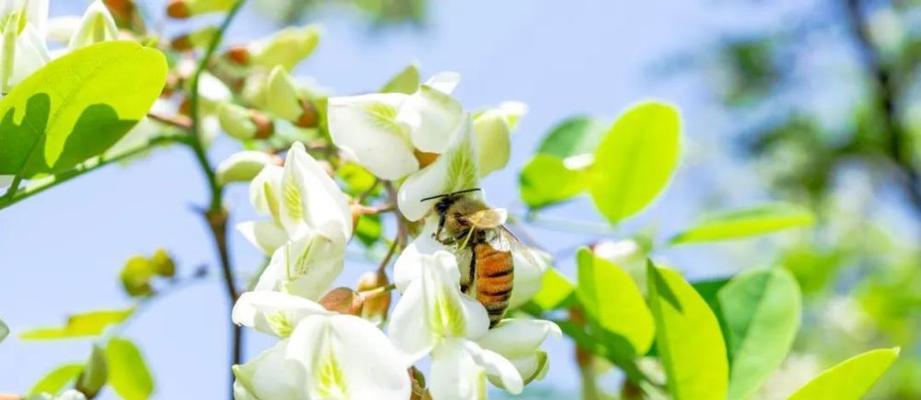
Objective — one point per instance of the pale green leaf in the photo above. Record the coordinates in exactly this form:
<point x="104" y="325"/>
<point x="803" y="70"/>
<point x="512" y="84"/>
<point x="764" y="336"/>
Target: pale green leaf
<point x="574" y="136"/>
<point x="746" y="223"/>
<point x="4" y="330"/>
<point x="554" y="290"/>
<point x="850" y="379"/>
<point x="546" y="180"/>
<point x="406" y="81"/>
<point x="57" y="379"/>
<point x="77" y="106"/>
<point x="636" y="159"/>
<point x="91" y="323"/>
<point x="612" y="299"/>
<point x="128" y="372"/>
<point x="761" y="312"/>
<point x="688" y="338"/>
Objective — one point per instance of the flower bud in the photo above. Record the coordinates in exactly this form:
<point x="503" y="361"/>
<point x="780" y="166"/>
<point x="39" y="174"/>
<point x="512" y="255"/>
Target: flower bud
<point x="96" y="26"/>
<point x="238" y="55"/>
<point x="493" y="141"/>
<point x="181" y="9"/>
<point x="191" y="40"/>
<point x="281" y="96"/>
<point x="244" y="166"/>
<point x="419" y="392"/>
<point x="342" y="300"/>
<point x="376" y="304"/>
<point x="243" y="123"/>
<point x="286" y="48"/>
<point x="123" y="11"/>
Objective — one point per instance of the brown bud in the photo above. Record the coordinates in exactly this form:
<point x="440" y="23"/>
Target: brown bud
<point x="122" y="10"/>
<point x="238" y="55"/>
<point x="181" y="43"/>
<point x="342" y="300"/>
<point x="310" y="117"/>
<point x="185" y="107"/>
<point x="418" y="385"/>
<point x="376" y="303"/>
<point x="264" y="125"/>
<point x="425" y="158"/>
<point x="178" y="9"/>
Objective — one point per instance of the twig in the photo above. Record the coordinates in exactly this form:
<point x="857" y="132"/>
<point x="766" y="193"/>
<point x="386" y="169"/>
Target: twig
<point x="216" y="215"/>
<point x="176" y="121"/>
<point x="390" y="253"/>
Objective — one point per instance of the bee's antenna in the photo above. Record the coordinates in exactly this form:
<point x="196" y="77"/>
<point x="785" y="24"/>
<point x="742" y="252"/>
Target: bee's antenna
<point x="449" y="194"/>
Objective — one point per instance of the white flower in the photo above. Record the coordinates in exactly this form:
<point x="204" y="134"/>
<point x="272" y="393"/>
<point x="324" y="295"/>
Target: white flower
<point x="70" y="394"/>
<point x="22" y="52"/>
<point x="424" y="121"/>
<point x="519" y="340"/>
<point x="305" y="266"/>
<point x="274" y="313"/>
<point x="460" y="369"/>
<point x="432" y="307"/>
<point x="243" y="166"/>
<point x="96" y="26"/>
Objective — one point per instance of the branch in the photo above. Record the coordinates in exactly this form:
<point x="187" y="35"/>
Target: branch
<point x="40" y="185"/>
<point x="888" y="96"/>
<point x="216" y="215"/>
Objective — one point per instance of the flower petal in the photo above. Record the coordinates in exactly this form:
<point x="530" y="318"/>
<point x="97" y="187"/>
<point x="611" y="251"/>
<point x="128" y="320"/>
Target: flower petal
<point x="372" y="365"/>
<point x="274" y="313"/>
<point x="407" y="328"/>
<point x="408" y="265"/>
<point x="444" y="82"/>
<point x="454" y="375"/>
<point x="266" y="235"/>
<point x="271" y="376"/>
<point x="265" y="191"/>
<point x="366" y="127"/>
<point x="31" y="54"/>
<point x="529" y="272"/>
<point x="454" y="170"/>
<point x="311" y="199"/>
<point x="515" y="338"/>
<point x="493" y="141"/>
<point x="96" y="26"/>
<point x="432" y="117"/>
<point x="499" y="370"/>
<point x="305" y="267"/>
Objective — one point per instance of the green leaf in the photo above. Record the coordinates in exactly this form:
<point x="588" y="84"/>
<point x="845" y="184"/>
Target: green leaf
<point x="746" y="223"/>
<point x="57" y="379"/>
<point x="138" y="271"/>
<point x="688" y="338"/>
<point x="4" y="330"/>
<point x="555" y="289"/>
<point x="850" y="379"/>
<point x="761" y="313"/>
<point x="91" y="323"/>
<point x="612" y="299"/>
<point x="406" y="81"/>
<point x="369" y="229"/>
<point x="77" y="106"/>
<point x="546" y="180"/>
<point x="94" y="374"/>
<point x="128" y="372"/>
<point x="574" y="136"/>
<point x="636" y="159"/>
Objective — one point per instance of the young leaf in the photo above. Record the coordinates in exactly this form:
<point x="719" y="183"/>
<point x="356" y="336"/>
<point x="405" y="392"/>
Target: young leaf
<point x="636" y="159"/>
<point x="57" y="379"/>
<point x="574" y="136"/>
<point x="128" y="372"/>
<point x="77" y="106"/>
<point x="546" y="180"/>
<point x="406" y="81"/>
<point x="610" y="297"/>
<point x="688" y="338"/>
<point x="86" y="324"/>
<point x="850" y="379"/>
<point x="4" y="330"/>
<point x="746" y="223"/>
<point x="94" y="374"/>
<point x="555" y="289"/>
<point x="761" y="313"/>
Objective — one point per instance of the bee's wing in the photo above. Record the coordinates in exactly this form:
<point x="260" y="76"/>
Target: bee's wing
<point x="505" y="240"/>
<point x="489" y="218"/>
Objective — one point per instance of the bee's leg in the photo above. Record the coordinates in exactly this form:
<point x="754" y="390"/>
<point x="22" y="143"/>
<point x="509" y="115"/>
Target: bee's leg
<point x="467" y="279"/>
<point x="467" y="239"/>
<point x="437" y="234"/>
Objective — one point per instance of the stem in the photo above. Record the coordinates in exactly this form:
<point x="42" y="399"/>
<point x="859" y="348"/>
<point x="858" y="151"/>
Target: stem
<point x="888" y="97"/>
<point x="215" y="214"/>
<point x="40" y="185"/>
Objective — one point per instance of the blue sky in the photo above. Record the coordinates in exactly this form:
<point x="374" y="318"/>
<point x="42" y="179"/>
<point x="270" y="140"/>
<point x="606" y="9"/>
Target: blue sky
<point x="61" y="251"/>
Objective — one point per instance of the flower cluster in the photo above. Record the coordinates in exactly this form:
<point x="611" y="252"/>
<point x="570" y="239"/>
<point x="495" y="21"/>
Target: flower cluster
<point x="332" y="343"/>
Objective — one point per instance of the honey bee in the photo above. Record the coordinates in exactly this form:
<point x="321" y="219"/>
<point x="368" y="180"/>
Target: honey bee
<point x="483" y="246"/>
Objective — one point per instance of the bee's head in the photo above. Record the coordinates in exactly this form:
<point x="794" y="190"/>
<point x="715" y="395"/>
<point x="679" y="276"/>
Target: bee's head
<point x="447" y="199"/>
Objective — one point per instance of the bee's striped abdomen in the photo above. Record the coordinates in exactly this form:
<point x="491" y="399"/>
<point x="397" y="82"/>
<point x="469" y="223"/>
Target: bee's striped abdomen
<point x="494" y="275"/>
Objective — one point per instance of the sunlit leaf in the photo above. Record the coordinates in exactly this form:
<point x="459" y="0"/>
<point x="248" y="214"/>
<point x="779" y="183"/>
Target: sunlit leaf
<point x="760" y="310"/>
<point x="91" y="323"/>
<point x="77" y="106"/>
<point x="95" y="373"/>
<point x="406" y="81"/>
<point x="574" y="136"/>
<point x="555" y="289"/>
<point x="128" y="372"/>
<point x="609" y="295"/>
<point x="636" y="159"/>
<point x="546" y="180"/>
<point x="369" y="229"/>
<point x="688" y="338"/>
<point x="57" y="379"/>
<point x="746" y="223"/>
<point x="850" y="379"/>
